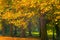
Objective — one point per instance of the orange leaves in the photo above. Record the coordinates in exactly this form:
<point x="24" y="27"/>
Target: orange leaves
<point x="7" y="15"/>
<point x="0" y="1"/>
<point x="58" y="6"/>
<point x="10" y="15"/>
<point x="25" y="10"/>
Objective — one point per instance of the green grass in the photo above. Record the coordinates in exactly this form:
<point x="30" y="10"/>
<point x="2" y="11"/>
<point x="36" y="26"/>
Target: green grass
<point x="49" y="33"/>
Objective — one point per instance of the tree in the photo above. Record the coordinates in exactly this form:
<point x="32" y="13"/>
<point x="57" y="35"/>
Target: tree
<point x="29" y="28"/>
<point x="22" y="32"/>
<point x="43" y="28"/>
<point x="3" y="27"/>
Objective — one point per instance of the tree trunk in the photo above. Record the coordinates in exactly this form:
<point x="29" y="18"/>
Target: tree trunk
<point x="3" y="30"/>
<point x="22" y="30"/>
<point x="43" y="28"/>
<point x="3" y="27"/>
<point x="53" y="34"/>
<point x="11" y="29"/>
<point x="29" y="28"/>
<point x="15" y="30"/>
<point x="57" y="32"/>
<point x="39" y="28"/>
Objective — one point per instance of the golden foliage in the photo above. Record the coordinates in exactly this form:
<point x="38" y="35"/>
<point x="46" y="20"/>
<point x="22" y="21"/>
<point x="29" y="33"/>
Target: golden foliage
<point x="22" y="8"/>
<point x="7" y="15"/>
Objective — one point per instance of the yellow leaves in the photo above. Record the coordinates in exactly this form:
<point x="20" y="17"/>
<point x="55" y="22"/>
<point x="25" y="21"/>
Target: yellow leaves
<point x="42" y="5"/>
<point x="13" y="21"/>
<point x="58" y="17"/>
<point x="23" y="11"/>
<point x="24" y="0"/>
<point x="45" y="6"/>
<point x="34" y="22"/>
<point x="52" y="1"/>
<point x="57" y="13"/>
<point x="30" y="15"/>
<point x="16" y="5"/>
<point x="56" y="20"/>
<point x="7" y="15"/>
<point x="46" y="9"/>
<point x="18" y="14"/>
<point x="1" y="6"/>
<point x="26" y="3"/>
<point x="33" y="3"/>
<point x="19" y="22"/>
<point x="10" y="15"/>
<point x="30" y="3"/>
<point x="23" y="23"/>
<point x="58" y="6"/>
<point x="0" y="26"/>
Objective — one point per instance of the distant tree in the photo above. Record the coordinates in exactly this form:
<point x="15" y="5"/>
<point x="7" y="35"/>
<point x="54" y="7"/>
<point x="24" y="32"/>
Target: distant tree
<point x="29" y="28"/>
<point x="3" y="27"/>
<point x="57" y="30"/>
<point x="22" y="31"/>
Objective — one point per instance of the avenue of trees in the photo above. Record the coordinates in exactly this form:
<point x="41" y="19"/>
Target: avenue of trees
<point x="30" y="18"/>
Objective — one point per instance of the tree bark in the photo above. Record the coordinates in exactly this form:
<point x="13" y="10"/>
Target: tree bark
<point x="57" y="32"/>
<point x="29" y="28"/>
<point x="3" y="27"/>
<point x="11" y="29"/>
<point x="22" y="30"/>
<point x="3" y="30"/>
<point x="15" y="30"/>
<point x="43" y="28"/>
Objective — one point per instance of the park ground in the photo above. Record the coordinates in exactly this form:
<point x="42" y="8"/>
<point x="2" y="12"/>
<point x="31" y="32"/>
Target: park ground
<point x="15" y="38"/>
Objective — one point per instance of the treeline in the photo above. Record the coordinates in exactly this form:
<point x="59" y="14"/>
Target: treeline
<point x="19" y="16"/>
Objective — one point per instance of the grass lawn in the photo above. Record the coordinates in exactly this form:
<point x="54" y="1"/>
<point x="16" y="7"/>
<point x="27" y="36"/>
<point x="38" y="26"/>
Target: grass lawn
<point x="49" y="33"/>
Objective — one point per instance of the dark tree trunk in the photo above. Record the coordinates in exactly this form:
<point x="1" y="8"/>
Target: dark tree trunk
<point x="22" y="30"/>
<point x="53" y="34"/>
<point x="15" y="30"/>
<point x="43" y="28"/>
<point x="39" y="28"/>
<point x="3" y="27"/>
<point x="57" y="32"/>
<point x="3" y="30"/>
<point x="11" y="29"/>
<point x="29" y="28"/>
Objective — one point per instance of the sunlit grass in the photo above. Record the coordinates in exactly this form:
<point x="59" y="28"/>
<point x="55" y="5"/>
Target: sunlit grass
<point x="49" y="33"/>
<point x="35" y="32"/>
